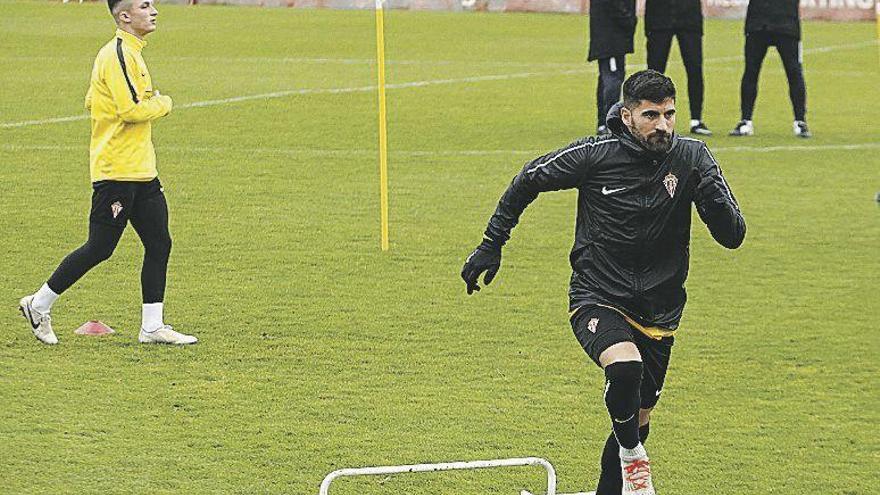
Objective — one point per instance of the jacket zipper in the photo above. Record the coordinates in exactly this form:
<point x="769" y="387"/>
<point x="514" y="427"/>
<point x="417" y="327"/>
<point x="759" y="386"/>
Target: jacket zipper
<point x="638" y="283"/>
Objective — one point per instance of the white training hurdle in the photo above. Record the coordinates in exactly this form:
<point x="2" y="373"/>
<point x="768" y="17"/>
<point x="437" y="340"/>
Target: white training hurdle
<point x="449" y="466"/>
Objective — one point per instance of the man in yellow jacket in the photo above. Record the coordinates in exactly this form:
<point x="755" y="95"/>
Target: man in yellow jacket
<point x="126" y="187"/>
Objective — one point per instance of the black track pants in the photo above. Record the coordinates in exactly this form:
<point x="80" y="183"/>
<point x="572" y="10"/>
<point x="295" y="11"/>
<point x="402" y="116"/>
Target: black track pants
<point x="690" y="44"/>
<point x="789" y="49"/>
<point x="612" y="72"/>
<point x="114" y="204"/>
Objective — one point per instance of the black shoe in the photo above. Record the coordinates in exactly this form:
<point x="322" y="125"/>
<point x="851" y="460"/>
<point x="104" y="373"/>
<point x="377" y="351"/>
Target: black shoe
<point x="801" y="129"/>
<point x="701" y="129"/>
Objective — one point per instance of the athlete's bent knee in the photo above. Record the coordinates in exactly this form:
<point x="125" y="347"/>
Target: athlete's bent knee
<point x="622" y="351"/>
<point x="623" y="380"/>
<point x="98" y="252"/>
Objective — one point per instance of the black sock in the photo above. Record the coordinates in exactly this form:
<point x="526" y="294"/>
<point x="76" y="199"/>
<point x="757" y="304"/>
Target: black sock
<point x="622" y="398"/>
<point x="610" y="478"/>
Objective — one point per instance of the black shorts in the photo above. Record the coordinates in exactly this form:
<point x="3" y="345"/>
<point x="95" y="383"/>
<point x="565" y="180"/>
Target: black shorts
<point x="597" y="328"/>
<point x="114" y="202"/>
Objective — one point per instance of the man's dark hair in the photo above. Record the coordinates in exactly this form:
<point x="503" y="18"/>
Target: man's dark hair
<point x="647" y="85"/>
<point x="111" y="4"/>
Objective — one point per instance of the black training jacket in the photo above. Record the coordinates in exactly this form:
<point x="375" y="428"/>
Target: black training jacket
<point x="674" y="15"/>
<point x="774" y="16"/>
<point x="633" y="217"/>
<point x="612" y="27"/>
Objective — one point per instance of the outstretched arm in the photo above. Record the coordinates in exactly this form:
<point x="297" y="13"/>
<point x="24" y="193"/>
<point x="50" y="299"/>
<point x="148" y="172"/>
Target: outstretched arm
<point x="716" y="205"/>
<point x="562" y="169"/>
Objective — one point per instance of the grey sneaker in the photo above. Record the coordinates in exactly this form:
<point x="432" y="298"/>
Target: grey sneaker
<point x="165" y="335"/>
<point x="801" y="130"/>
<point x="743" y="128"/>
<point x="701" y="129"/>
<point x="41" y="323"/>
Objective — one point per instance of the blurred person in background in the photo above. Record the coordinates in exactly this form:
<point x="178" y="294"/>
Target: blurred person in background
<point x="612" y="27"/>
<point x="683" y="20"/>
<point x="773" y="23"/>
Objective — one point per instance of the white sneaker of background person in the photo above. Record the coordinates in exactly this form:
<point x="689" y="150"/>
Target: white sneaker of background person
<point x="40" y="321"/>
<point x="165" y="335"/>
<point x="636" y="471"/>
<point x="155" y="331"/>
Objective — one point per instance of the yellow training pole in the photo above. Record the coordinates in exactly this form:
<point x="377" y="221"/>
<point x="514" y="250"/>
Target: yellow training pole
<point x="877" y="17"/>
<point x="383" y="133"/>
<point x="877" y="22"/>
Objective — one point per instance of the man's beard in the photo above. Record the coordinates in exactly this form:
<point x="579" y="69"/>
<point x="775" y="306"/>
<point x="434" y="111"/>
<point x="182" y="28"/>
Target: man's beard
<point x="657" y="142"/>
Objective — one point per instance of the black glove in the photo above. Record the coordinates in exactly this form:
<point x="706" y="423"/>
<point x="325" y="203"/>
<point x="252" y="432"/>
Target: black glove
<point x="486" y="258"/>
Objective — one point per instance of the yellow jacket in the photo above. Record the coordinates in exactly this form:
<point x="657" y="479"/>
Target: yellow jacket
<point x="122" y="105"/>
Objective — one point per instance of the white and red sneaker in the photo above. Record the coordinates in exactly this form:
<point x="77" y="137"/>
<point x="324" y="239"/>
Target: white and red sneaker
<point x="636" y="470"/>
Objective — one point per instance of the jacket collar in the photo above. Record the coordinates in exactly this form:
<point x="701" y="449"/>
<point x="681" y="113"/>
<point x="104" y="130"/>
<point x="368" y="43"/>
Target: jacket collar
<point x="131" y="41"/>
<point x="620" y="131"/>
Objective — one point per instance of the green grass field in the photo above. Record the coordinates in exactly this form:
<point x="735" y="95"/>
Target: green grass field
<point x="318" y="351"/>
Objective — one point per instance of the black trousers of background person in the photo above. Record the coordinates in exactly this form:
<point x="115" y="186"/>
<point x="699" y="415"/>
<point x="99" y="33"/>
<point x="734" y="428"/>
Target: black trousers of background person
<point x="146" y="208"/>
<point x="612" y="72"/>
<point x="690" y="44"/>
<point x="789" y="49"/>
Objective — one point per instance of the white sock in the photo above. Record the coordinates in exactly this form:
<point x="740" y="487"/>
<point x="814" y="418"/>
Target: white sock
<point x="635" y="453"/>
<point x="695" y="122"/>
<point x="152" y="317"/>
<point x="43" y="299"/>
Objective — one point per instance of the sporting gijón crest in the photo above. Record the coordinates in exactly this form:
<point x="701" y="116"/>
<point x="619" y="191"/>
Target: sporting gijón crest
<point x="670" y="181"/>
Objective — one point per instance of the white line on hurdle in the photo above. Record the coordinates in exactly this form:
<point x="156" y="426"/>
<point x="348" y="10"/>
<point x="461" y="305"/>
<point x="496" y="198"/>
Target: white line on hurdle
<point x="445" y="466"/>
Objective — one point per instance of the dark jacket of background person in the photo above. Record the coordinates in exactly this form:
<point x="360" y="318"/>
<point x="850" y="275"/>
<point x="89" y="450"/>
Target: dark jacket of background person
<point x="612" y="27"/>
<point x="774" y="16"/>
<point x="674" y="15"/>
<point x="632" y="237"/>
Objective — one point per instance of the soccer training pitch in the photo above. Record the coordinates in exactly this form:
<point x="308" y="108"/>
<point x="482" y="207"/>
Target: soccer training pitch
<point x="318" y="351"/>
